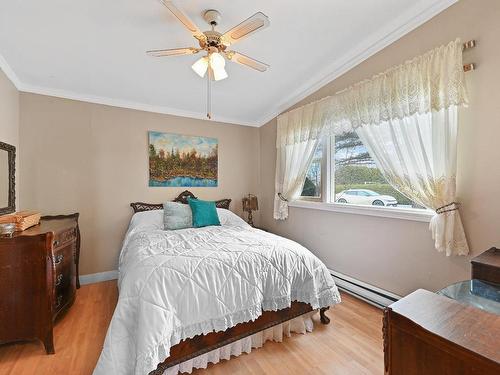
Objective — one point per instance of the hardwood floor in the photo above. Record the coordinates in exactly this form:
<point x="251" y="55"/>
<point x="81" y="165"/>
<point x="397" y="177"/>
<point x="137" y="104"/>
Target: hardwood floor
<point x="351" y="344"/>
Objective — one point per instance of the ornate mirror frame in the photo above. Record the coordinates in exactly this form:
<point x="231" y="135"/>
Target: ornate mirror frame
<point x="11" y="151"/>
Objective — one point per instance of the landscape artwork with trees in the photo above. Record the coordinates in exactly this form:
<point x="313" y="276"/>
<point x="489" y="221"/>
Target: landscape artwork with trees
<point x="182" y="160"/>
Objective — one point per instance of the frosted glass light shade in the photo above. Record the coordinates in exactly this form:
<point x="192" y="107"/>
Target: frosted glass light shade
<point x="201" y="66"/>
<point x="217" y="61"/>
<point x="219" y="74"/>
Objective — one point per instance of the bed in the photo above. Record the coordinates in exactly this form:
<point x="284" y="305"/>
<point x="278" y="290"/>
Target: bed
<point x="203" y="294"/>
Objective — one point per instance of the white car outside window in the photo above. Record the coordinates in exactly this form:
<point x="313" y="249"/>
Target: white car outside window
<point x="365" y="197"/>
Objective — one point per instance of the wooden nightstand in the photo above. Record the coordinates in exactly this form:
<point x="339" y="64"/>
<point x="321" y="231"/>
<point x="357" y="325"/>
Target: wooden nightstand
<point x="38" y="278"/>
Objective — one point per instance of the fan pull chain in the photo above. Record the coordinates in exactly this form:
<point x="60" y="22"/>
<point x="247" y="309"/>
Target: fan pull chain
<point x="209" y="93"/>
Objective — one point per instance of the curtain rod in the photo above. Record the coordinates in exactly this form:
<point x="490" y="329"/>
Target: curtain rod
<point x="468" y="45"/>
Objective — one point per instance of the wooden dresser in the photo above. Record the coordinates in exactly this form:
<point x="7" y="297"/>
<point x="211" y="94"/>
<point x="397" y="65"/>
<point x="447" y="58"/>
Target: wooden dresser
<point x="38" y="278"/>
<point x="428" y="334"/>
<point x="431" y="334"/>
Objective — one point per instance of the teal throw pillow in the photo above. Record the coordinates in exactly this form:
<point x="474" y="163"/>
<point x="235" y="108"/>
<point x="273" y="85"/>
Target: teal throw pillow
<point x="204" y="213"/>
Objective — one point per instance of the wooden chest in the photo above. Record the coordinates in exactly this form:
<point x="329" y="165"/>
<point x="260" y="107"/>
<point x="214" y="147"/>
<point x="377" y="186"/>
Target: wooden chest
<point x="38" y="278"/>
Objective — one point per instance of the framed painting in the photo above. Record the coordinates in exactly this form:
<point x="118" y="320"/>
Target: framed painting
<point x="182" y="160"/>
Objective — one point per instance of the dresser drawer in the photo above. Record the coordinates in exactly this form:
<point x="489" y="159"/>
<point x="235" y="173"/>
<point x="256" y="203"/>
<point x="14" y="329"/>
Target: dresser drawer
<point x="64" y="275"/>
<point x="64" y="237"/>
<point x="64" y="255"/>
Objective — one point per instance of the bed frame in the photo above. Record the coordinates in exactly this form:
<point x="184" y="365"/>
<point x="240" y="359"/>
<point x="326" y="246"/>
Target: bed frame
<point x="181" y="198"/>
<point x="201" y="344"/>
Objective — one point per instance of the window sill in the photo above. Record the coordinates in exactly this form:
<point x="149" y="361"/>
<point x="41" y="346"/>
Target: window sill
<point x="393" y="213"/>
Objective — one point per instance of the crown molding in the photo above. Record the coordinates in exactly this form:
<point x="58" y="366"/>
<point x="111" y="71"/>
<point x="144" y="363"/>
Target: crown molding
<point x="11" y="75"/>
<point x="394" y="31"/>
<point x="47" y="91"/>
<point x="128" y="104"/>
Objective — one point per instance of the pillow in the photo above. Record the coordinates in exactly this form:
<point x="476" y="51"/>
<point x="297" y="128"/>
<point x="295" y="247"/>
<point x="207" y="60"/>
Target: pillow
<point x="228" y="218"/>
<point x="204" y="213"/>
<point x="147" y="220"/>
<point x="177" y="216"/>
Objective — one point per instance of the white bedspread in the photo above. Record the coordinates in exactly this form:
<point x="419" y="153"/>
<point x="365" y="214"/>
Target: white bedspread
<point x="178" y="284"/>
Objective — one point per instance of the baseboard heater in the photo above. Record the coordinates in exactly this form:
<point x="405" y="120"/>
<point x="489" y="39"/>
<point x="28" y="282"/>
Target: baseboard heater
<point x="373" y="295"/>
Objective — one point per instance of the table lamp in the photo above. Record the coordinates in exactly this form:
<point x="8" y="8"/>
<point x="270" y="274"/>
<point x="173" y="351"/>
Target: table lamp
<point x="250" y="203"/>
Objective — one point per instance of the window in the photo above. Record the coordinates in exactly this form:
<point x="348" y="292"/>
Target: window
<point x="312" y="185"/>
<point x="352" y="176"/>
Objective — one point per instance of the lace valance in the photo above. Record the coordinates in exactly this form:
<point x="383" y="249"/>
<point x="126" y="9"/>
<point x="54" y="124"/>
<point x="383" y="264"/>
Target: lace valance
<point x="430" y="82"/>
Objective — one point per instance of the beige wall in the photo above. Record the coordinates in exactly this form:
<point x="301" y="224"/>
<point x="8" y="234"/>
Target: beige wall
<point x="398" y="255"/>
<point x="92" y="159"/>
<point x="9" y="118"/>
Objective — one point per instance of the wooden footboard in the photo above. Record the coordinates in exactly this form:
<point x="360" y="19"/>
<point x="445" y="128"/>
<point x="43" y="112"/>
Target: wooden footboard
<point x="201" y="344"/>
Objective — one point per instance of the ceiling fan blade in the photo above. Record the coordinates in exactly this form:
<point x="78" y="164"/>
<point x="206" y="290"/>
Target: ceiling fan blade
<point x="251" y="25"/>
<point x="245" y="60"/>
<point x="186" y="21"/>
<point x="173" y="52"/>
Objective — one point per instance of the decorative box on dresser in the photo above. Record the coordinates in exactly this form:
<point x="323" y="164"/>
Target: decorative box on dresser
<point x="38" y="278"/>
<point x="486" y="266"/>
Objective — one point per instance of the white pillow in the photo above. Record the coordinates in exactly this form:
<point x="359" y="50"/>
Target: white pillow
<point x="229" y="218"/>
<point x="147" y="220"/>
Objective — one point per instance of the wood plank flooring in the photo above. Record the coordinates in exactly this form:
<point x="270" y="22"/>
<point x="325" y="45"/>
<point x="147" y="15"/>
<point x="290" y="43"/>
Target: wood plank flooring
<point x="351" y="344"/>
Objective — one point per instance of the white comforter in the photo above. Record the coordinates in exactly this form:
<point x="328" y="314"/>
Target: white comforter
<point x="177" y="284"/>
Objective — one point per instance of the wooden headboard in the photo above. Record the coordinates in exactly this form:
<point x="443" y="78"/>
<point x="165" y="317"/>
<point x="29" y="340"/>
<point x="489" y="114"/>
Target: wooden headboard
<point x="181" y="198"/>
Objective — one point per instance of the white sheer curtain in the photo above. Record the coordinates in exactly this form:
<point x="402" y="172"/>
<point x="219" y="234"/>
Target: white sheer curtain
<point x="407" y="117"/>
<point x="293" y="160"/>
<point x="417" y="156"/>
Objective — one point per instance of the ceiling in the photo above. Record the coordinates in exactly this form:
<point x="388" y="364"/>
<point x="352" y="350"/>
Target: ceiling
<point x="94" y="50"/>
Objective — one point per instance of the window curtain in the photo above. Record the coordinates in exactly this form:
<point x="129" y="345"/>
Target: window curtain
<point x="407" y="118"/>
<point x="417" y="155"/>
<point x="293" y="159"/>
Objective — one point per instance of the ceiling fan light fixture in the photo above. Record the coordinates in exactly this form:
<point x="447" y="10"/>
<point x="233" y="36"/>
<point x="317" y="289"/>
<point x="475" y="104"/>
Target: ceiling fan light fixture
<point x="200" y="66"/>
<point x="219" y="74"/>
<point x="215" y="45"/>
<point x="217" y="61"/>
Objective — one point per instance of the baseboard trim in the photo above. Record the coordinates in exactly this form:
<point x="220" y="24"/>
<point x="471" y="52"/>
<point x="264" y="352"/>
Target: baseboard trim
<point x="98" y="277"/>
<point x="369" y="293"/>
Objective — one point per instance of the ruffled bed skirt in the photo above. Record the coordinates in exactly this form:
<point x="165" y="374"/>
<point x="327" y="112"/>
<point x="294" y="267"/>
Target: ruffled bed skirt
<point x="301" y="324"/>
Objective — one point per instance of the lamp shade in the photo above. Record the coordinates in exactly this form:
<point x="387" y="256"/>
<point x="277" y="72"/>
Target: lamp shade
<point x="201" y="66"/>
<point x="217" y="61"/>
<point x="219" y="74"/>
<point x="250" y="203"/>
<point x="217" y="64"/>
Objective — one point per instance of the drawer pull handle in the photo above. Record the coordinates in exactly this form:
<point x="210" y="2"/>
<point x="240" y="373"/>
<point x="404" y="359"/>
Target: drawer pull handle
<point x="56" y="243"/>
<point x="59" y="280"/>
<point x="59" y="258"/>
<point x="59" y="301"/>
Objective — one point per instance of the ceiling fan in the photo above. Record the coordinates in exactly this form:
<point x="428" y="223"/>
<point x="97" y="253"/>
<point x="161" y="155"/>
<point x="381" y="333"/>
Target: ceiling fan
<point x="215" y="45"/>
